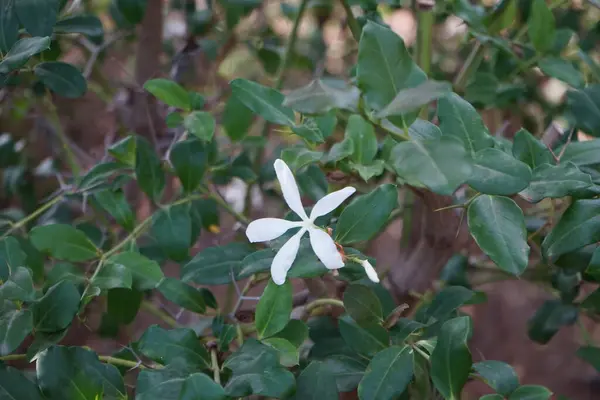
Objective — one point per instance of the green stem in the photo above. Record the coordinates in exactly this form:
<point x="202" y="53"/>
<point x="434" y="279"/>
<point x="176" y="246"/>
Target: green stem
<point x="215" y="366"/>
<point x="469" y="67"/>
<point x="21" y="223"/>
<point x="425" y="20"/>
<point x="105" y="359"/>
<point x="310" y="307"/>
<point x="352" y="22"/>
<point x="157" y="312"/>
<point x="13" y="357"/>
<point x="64" y="141"/>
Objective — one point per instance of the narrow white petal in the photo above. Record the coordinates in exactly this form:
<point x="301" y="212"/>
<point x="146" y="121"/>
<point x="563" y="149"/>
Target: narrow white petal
<point x="265" y="229"/>
<point x="371" y="273"/>
<point x="330" y="202"/>
<point x="285" y="258"/>
<point x="324" y="247"/>
<point x="289" y="188"/>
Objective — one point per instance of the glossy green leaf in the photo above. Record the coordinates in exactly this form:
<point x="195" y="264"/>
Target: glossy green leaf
<point x="541" y="26"/>
<point x="499" y="375"/>
<point x="18" y="287"/>
<point x="460" y="119"/>
<point x="169" y="92"/>
<point x="549" y="318"/>
<point x="200" y="386"/>
<point x="37" y="16"/>
<point x="55" y="310"/>
<point x="274" y="309"/>
<point x="441" y="165"/>
<point x="190" y="160"/>
<point x="498" y="226"/>
<point x="316" y="382"/>
<point x="555" y="181"/>
<point x="148" y="169"/>
<point x="172" y="230"/>
<point x="113" y="275"/>
<point x="562" y="70"/>
<point x="62" y="78"/>
<point x="362" y="304"/>
<point x="215" y="265"/>
<point x="22" y="51"/>
<point x="165" y="346"/>
<point x="11" y="256"/>
<point x="585" y="106"/>
<point x="384" y="66"/>
<point x="347" y="371"/>
<point x="530" y="150"/>
<point x="578" y="226"/>
<point x="145" y="273"/>
<point x="9" y="25"/>
<point x="14" y="385"/>
<point x="318" y="97"/>
<point x="366" y="215"/>
<point x="182" y="294"/>
<point x="63" y="242"/>
<point x="497" y="173"/>
<point x="591" y="355"/>
<point x="89" y="25"/>
<point x="414" y="98"/>
<point x="451" y="358"/>
<point x="363" y="137"/>
<point x="263" y="101"/>
<point x="530" y="392"/>
<point x="367" y="339"/>
<point x="200" y="124"/>
<point x="15" y="326"/>
<point x="388" y="374"/>
<point x="115" y="203"/>
<point x="132" y="10"/>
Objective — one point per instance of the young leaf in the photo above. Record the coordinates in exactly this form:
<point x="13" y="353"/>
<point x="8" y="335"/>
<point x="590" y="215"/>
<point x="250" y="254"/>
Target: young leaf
<point x="169" y="92"/>
<point x="62" y="78"/>
<point x="190" y="160"/>
<point x="497" y="173"/>
<point x="9" y="26"/>
<point x="172" y="229"/>
<point x="555" y="181"/>
<point x="388" y="374"/>
<point x="148" y="169"/>
<point x="362" y="135"/>
<point x="530" y="150"/>
<point x="56" y="309"/>
<point x="264" y="101"/>
<point x="15" y="326"/>
<point x="530" y="392"/>
<point x="316" y="382"/>
<point x="273" y="309"/>
<point x="200" y="124"/>
<point x="63" y="242"/>
<point x="200" y="386"/>
<point x="165" y="346"/>
<point x="499" y="375"/>
<point x="451" y="358"/>
<point x="498" y="226"/>
<point x="182" y="294"/>
<point x="366" y="215"/>
<point x="362" y="304"/>
<point x="541" y="26"/>
<point x="37" y="16"/>
<point x="22" y="51"/>
<point x="16" y="386"/>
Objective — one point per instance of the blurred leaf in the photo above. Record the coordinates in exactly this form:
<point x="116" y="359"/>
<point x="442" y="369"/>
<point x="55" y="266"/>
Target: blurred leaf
<point x="388" y="374"/>
<point x="167" y="91"/>
<point x="55" y="310"/>
<point x="530" y="150"/>
<point x="454" y="272"/>
<point x="549" y="318"/>
<point x="541" y="26"/>
<point x="37" y="16"/>
<point x="9" y="25"/>
<point x="414" y="98"/>
<point x="124" y="150"/>
<point x="316" y="129"/>
<point x="499" y="375"/>
<point x="530" y="392"/>
<point x="264" y="101"/>
<point x="585" y="106"/>
<point x="273" y="309"/>
<point x="340" y="150"/>
<point x="367" y="172"/>
<point x="14" y="385"/>
<point x="200" y="386"/>
<point x="99" y="173"/>
<point x="316" y="381"/>
<point x="366" y="215"/>
<point x="562" y="70"/>
<point x="498" y="226"/>
<point x="63" y="242"/>
<point x="445" y="302"/>
<point x="555" y="181"/>
<point x="22" y="51"/>
<point x="497" y="173"/>
<point x="18" y="287"/>
<point x="366" y="339"/>
<point x="182" y="294"/>
<point x="145" y="273"/>
<point x="201" y="124"/>
<point x="591" y="355"/>
<point x="165" y="346"/>
<point x="115" y="203"/>
<point x="482" y="88"/>
<point x="317" y="98"/>
<point x="362" y="304"/>
<point x="297" y="157"/>
<point x="15" y="326"/>
<point x="215" y="265"/>
<point x="451" y="359"/>
<point x="11" y="256"/>
<point x="312" y="182"/>
<point x="62" y="78"/>
<point x="89" y="25"/>
<point x="148" y="169"/>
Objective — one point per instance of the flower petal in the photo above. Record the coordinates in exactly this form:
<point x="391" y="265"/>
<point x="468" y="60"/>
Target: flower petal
<point x="289" y="188"/>
<point x="324" y="247"/>
<point x="285" y="258"/>
<point x="331" y="202"/>
<point x="265" y="229"/>
<point x="371" y="273"/>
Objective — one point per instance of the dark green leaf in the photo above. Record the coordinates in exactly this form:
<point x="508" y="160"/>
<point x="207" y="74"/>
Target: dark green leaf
<point x="347" y="371"/>
<point x="132" y="10"/>
<point x="237" y="119"/>
<point x="14" y="385"/>
<point x="583" y="153"/>
<point x="289" y="355"/>
<point x="116" y="204"/>
<point x="362" y="304"/>
<point x="168" y="92"/>
<point x="123" y="305"/>
<point x="313" y="182"/>
<point x="62" y="78"/>
<point x="215" y="265"/>
<point x="366" y="339"/>
<point x="145" y="273"/>
<point x="499" y="375"/>
<point x="63" y="242"/>
<point x="555" y="181"/>
<point x="273" y="309"/>
<point x="22" y="51"/>
<point x="530" y="150"/>
<point x="200" y="386"/>
<point x="113" y="275"/>
<point x="190" y="159"/>
<point x="148" y="169"/>
<point x="15" y="326"/>
<point x="340" y="150"/>
<point x="182" y="294"/>
<point x="549" y="318"/>
<point x="530" y="392"/>
<point x="56" y="309"/>
<point x="388" y="374"/>
<point x="263" y="101"/>
<point x="37" y="16"/>
<point x="541" y="26"/>
<point x="11" y="257"/>
<point x="562" y="70"/>
<point x="18" y="287"/>
<point x="591" y="355"/>
<point x="162" y="384"/>
<point x="316" y="382"/>
<point x="585" y="106"/>
<point x="366" y="215"/>
<point x="451" y="359"/>
<point x="99" y="174"/>
<point x="498" y="226"/>
<point x="414" y="98"/>
<point x="172" y="229"/>
<point x="165" y="346"/>
<point x="9" y="25"/>
<point x="403" y="329"/>
<point x="86" y="24"/>
<point x="43" y="341"/>
<point x="294" y="332"/>
<point x="497" y="173"/>
<point x="200" y="124"/>
<point x="445" y="302"/>
<point x="318" y="97"/>
<point x="363" y="137"/>
<point x="424" y="130"/>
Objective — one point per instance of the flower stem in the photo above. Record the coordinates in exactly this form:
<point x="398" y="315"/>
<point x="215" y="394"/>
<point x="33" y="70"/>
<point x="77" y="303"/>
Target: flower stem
<point x="157" y="312"/>
<point x="215" y="366"/>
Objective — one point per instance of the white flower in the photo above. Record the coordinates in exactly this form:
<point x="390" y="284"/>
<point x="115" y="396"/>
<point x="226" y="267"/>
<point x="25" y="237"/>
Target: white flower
<point x="265" y="229"/>
<point x="371" y="273"/>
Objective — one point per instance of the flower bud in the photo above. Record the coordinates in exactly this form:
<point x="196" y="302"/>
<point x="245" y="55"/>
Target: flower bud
<point x="371" y="273"/>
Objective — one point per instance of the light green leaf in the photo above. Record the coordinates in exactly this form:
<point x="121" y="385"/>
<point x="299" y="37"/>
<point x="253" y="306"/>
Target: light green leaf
<point x="316" y="382"/>
<point x="414" y="98"/>
<point x="388" y="374"/>
<point x="165" y="346"/>
<point x="498" y="226"/>
<point x="499" y="375"/>
<point x="530" y="392"/>
<point x="169" y="92"/>
<point x="124" y="150"/>
<point x="274" y="309"/>
<point x="264" y="101"/>
<point x="146" y="274"/>
<point x="362" y="304"/>
<point x="421" y="130"/>
<point x="62" y="78"/>
<point x="37" y="16"/>
<point x="201" y="124"/>
<point x="555" y="181"/>
<point x="541" y="26"/>
<point x="148" y="169"/>
<point x="530" y="150"/>
<point x="367" y="172"/>
<point x="318" y="98"/>
<point x="22" y="51"/>
<point x="182" y="294"/>
<point x="63" y="242"/>
<point x="497" y="173"/>
<point x="56" y="309"/>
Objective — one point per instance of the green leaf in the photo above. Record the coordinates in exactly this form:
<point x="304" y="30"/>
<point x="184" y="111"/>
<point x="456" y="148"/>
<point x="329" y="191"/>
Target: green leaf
<point x="316" y="382"/>
<point x="274" y="309"/>
<point x="15" y="326"/>
<point x="530" y="392"/>
<point x="585" y="106"/>
<point x="162" y="384"/>
<point x="9" y="25"/>
<point x="497" y="173"/>
<point x="499" y="375"/>
<point x="295" y="332"/>
<point x="298" y="157"/>
<point x="451" y="358"/>
<point x="113" y="275"/>
<point x="124" y="150"/>
<point x="316" y="129"/>
<point x="421" y="130"/>
<point x="63" y="242"/>
<point x="347" y="371"/>
<point x="148" y="169"/>
<point x="145" y="273"/>
<point x="289" y="355"/>
<point x="498" y="226"/>
<point x="555" y="181"/>
<point x="530" y="150"/>
<point x="318" y="98"/>
<point x="172" y="229"/>
<point x="99" y="173"/>
<point x="37" y="16"/>
<point x="313" y="182"/>
<point x="237" y="119"/>
<point x="200" y="386"/>
<point x="362" y="304"/>
<point x="384" y="66"/>
<point x="442" y="165"/>
<point x="190" y="160"/>
<point x="445" y="303"/>
<point x="591" y="355"/>
<point x="492" y="397"/>
<point x="578" y="227"/>
<point x="132" y="10"/>
<point x="11" y="256"/>
<point x="549" y="318"/>
<point x="215" y="265"/>
<point x="74" y="373"/>
<point x="388" y="374"/>
<point x="367" y="339"/>
<point x="169" y="92"/>
<point x="363" y="137"/>
<point x="256" y="370"/>
<point x="18" y="287"/>
<point x="43" y="341"/>
<point x="200" y="124"/>
<point x="115" y="203"/>
<point x="366" y="215"/>
<point x="367" y="172"/>
<point x="123" y="305"/>
<point x="62" y="78"/>
<point x="414" y="98"/>
<point x="182" y="294"/>
<point x="22" y="51"/>
<point x="165" y="346"/>
<point x="55" y="310"/>
<point x="14" y="385"/>
<point x="89" y="25"/>
<point x="562" y="70"/>
<point x="541" y="26"/>
<point x="263" y="101"/>
<point x="340" y="150"/>
<point x="458" y="118"/>
<point x="583" y="153"/>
